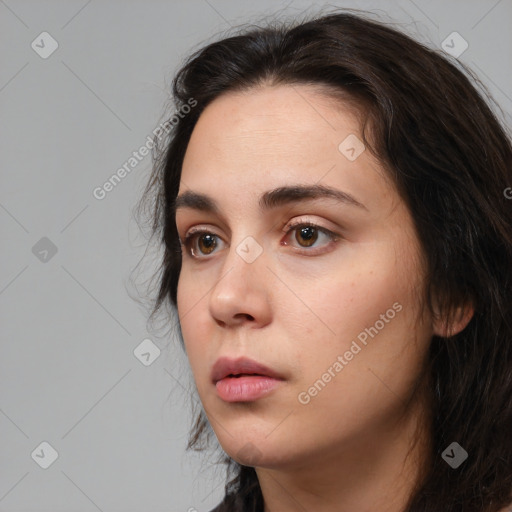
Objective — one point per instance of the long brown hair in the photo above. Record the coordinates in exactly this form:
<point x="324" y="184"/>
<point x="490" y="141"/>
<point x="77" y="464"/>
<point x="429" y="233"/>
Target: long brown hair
<point x="451" y="160"/>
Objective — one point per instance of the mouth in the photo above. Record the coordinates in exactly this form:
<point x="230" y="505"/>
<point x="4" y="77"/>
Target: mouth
<point x="237" y="368"/>
<point x="245" y="388"/>
<point x="243" y="380"/>
<point x="235" y="376"/>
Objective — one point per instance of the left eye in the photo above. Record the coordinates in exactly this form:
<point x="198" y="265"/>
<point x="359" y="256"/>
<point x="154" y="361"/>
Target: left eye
<point x="308" y="233"/>
<point x="205" y="242"/>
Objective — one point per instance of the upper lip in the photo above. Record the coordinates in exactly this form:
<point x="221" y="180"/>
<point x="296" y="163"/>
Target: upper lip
<point x="225" y="366"/>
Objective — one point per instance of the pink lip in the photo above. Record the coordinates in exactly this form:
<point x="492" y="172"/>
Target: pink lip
<point x="225" y="366"/>
<point x="245" y="389"/>
<point x="243" y="380"/>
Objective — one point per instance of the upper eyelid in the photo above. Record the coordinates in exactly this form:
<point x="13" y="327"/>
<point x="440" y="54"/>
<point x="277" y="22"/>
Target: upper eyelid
<point x="297" y="219"/>
<point x="288" y="226"/>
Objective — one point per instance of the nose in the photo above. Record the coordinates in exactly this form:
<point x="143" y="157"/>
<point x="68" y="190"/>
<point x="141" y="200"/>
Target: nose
<point x="241" y="293"/>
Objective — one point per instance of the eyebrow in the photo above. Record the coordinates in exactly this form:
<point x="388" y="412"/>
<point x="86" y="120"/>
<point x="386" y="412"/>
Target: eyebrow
<point x="271" y="199"/>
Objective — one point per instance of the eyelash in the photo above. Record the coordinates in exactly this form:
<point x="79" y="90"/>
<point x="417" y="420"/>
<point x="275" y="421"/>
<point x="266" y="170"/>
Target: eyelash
<point x="194" y="233"/>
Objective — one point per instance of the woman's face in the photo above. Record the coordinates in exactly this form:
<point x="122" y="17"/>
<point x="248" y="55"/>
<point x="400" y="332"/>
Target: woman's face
<point x="335" y="317"/>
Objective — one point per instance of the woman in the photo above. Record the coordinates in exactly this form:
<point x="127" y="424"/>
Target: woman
<point x="338" y="247"/>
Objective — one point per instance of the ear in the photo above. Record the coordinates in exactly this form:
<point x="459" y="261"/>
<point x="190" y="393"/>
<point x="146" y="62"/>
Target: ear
<point x="460" y="319"/>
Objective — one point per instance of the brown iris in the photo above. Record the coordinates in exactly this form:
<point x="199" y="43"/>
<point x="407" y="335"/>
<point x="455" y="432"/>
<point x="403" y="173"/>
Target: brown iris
<point x="308" y="233"/>
<point x="208" y="241"/>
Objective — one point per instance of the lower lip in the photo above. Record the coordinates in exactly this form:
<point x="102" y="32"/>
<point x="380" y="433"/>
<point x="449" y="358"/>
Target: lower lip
<point x="245" y="389"/>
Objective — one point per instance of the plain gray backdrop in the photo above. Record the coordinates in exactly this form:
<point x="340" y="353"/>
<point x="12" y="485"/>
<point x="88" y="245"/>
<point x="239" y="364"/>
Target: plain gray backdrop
<point x="79" y="394"/>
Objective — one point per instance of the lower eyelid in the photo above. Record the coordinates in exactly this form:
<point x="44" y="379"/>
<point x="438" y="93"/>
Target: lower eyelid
<point x="314" y="251"/>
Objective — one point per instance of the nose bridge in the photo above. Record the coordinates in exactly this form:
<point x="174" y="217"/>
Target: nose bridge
<point x="243" y="259"/>
<point x="239" y="289"/>
<point x="249" y="249"/>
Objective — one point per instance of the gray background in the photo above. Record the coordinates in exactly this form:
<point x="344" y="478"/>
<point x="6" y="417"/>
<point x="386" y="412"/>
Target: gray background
<point x="69" y="326"/>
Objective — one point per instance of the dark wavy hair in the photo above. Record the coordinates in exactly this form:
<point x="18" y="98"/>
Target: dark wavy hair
<point x="450" y="158"/>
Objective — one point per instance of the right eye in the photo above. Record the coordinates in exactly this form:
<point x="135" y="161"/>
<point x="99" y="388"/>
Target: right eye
<point x="200" y="241"/>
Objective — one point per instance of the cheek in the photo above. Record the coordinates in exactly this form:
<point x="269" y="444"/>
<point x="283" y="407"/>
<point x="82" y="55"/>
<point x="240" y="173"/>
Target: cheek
<point x="192" y="300"/>
<point x="372" y="298"/>
<point x="353" y="294"/>
<point x="190" y="309"/>
<point x="372" y="277"/>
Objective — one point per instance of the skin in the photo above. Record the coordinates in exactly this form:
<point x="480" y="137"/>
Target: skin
<point x="352" y="446"/>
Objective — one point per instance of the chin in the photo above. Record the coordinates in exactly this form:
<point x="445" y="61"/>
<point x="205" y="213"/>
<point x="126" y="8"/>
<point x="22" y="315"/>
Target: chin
<point x="259" y="451"/>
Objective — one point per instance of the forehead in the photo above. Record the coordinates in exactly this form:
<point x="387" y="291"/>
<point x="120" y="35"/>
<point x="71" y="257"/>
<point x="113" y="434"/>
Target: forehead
<point x="286" y="118"/>
<point x="262" y="138"/>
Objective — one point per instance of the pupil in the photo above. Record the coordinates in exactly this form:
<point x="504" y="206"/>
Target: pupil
<point x="308" y="234"/>
<point x="210" y="242"/>
<point x="306" y="229"/>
